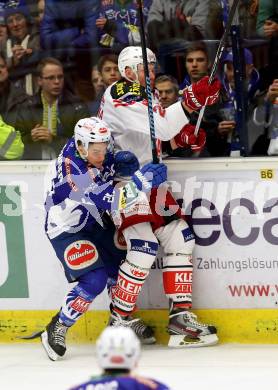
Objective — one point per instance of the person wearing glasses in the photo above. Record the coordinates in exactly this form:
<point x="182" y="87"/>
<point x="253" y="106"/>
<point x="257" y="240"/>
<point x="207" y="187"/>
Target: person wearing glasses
<point x="47" y="119"/>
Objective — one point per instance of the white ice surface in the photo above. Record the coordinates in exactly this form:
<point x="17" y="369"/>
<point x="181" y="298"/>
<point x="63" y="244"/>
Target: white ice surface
<point x="225" y="367"/>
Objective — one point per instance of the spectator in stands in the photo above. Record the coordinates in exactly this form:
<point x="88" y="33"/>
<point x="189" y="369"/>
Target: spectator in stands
<point x="118" y="23"/>
<point x="105" y="74"/>
<point x="22" y="46"/>
<point x="97" y="80"/>
<point x="184" y="19"/>
<point x="265" y="122"/>
<point x="69" y="32"/>
<point x="3" y="27"/>
<point x="196" y="63"/>
<point x="167" y="91"/>
<point x="227" y="117"/>
<point x="12" y="96"/>
<point x="218" y="16"/>
<point x="11" y="145"/>
<point x="40" y="6"/>
<point x="267" y="21"/>
<point x="267" y="27"/>
<point x="197" y="66"/>
<point x="108" y="69"/>
<point x="48" y="118"/>
<point x="98" y="88"/>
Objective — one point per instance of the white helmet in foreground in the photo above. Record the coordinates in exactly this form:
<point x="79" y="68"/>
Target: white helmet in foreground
<point x="132" y="56"/>
<point x="118" y="347"/>
<point x="89" y="130"/>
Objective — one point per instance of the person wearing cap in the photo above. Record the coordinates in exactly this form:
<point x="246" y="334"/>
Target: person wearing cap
<point x="118" y="352"/>
<point x="22" y="47"/>
<point x="3" y="27"/>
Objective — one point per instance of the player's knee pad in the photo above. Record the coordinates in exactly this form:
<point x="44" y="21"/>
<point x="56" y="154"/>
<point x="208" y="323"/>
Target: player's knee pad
<point x="176" y="237"/>
<point x="78" y="300"/>
<point x="142" y="248"/>
<point x="142" y="245"/>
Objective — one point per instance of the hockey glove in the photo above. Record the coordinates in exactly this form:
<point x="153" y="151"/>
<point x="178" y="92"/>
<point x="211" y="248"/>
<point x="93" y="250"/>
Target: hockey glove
<point x="201" y="93"/>
<point x="126" y="163"/>
<point x="186" y="137"/>
<point x="149" y="176"/>
<point x="198" y="146"/>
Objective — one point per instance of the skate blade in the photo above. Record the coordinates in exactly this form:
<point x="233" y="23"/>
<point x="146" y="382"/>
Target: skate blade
<point x="50" y="353"/>
<point x="182" y="341"/>
<point x="148" y="341"/>
<point x="32" y="336"/>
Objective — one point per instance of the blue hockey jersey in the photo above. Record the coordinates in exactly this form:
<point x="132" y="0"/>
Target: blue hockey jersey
<point x="119" y="383"/>
<point x="81" y="193"/>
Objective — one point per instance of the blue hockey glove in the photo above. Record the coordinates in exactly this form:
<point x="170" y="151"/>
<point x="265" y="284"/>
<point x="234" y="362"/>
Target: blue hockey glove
<point x="150" y="176"/>
<point x="126" y="163"/>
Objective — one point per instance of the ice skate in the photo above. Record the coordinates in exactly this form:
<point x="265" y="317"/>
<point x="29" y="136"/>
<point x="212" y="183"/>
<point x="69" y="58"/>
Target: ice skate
<point x="54" y="338"/>
<point x="187" y="332"/>
<point x="144" y="332"/>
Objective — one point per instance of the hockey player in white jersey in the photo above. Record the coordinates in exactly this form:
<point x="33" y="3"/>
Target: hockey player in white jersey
<point x="144" y="225"/>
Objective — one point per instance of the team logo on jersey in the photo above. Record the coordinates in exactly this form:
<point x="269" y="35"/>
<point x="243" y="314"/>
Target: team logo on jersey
<point x="128" y="92"/>
<point x="80" y="254"/>
<point x="119" y="241"/>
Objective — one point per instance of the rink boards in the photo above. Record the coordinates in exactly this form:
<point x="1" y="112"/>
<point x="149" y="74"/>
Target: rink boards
<point x="233" y="204"/>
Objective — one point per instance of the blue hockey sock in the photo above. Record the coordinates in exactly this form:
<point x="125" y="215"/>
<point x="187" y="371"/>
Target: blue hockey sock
<point x="78" y="300"/>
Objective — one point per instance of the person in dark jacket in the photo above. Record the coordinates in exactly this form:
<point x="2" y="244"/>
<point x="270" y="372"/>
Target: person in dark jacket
<point x="47" y="119"/>
<point x="68" y="31"/>
<point x="11" y="95"/>
<point x="22" y="47"/>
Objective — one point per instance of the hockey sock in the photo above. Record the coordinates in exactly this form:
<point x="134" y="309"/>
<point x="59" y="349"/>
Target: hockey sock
<point x="142" y="248"/>
<point x="177" y="279"/>
<point x="129" y="284"/>
<point x="78" y="300"/>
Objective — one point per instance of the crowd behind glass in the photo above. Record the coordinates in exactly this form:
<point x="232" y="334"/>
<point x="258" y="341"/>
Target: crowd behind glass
<point x="58" y="56"/>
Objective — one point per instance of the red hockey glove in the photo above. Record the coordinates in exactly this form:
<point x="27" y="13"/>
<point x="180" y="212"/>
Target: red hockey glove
<point x="201" y="93"/>
<point x="186" y="137"/>
<point x="200" y="142"/>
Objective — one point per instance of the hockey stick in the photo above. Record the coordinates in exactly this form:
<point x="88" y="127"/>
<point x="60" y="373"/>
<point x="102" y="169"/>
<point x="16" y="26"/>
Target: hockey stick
<point x="148" y="82"/>
<point x="217" y="59"/>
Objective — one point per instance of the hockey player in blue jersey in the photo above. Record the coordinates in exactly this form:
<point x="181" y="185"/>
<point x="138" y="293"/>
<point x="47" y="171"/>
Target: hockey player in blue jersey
<point x="82" y="192"/>
<point x="118" y="351"/>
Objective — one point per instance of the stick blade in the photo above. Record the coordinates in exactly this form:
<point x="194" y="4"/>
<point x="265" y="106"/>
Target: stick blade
<point x="184" y="341"/>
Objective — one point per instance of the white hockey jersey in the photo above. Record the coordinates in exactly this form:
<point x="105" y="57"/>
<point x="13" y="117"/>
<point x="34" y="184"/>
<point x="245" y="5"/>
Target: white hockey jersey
<point x="125" y="110"/>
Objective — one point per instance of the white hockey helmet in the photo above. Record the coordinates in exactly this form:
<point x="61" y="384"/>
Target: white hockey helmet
<point x="118" y="347"/>
<point x="89" y="130"/>
<point x="132" y="56"/>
